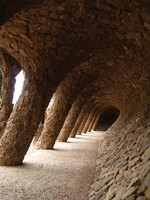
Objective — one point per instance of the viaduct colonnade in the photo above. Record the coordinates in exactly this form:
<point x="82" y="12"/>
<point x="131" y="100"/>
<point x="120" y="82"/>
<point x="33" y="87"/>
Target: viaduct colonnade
<point x="93" y="55"/>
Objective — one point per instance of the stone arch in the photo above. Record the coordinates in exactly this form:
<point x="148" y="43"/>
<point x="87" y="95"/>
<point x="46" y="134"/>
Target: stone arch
<point x="50" y="39"/>
<point x="107" y="118"/>
<point x="115" y="34"/>
<point x="73" y="84"/>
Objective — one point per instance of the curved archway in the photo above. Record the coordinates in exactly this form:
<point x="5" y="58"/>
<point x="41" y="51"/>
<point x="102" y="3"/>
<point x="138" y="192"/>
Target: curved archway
<point x="107" y="118"/>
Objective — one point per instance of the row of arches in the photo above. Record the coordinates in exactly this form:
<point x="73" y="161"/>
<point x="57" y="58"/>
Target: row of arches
<point x="93" y="55"/>
<point x="67" y="113"/>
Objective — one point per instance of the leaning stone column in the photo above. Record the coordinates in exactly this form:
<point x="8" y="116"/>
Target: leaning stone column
<point x="71" y="118"/>
<point x="74" y="114"/>
<point x="9" y="70"/>
<point x="86" y="116"/>
<point x="24" y="120"/>
<point x="93" y="121"/>
<point x="38" y="133"/>
<point x="55" y="120"/>
<point x="79" y="119"/>
<point x="69" y="123"/>
<point x="87" y="124"/>
<point x="40" y="129"/>
<point x="65" y="95"/>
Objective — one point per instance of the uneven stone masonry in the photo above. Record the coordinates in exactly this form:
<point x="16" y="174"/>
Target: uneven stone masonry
<point x="9" y="69"/>
<point x="61" y="107"/>
<point x="79" y="119"/>
<point x="88" y="121"/>
<point x="94" y="55"/>
<point x="19" y="128"/>
<point x="93" y="121"/>
<point x="84" y="120"/>
<point x="123" y="164"/>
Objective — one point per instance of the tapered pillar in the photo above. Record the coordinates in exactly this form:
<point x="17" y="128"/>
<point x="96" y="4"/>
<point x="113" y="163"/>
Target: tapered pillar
<point x="93" y="121"/>
<point x="53" y="123"/>
<point x="87" y="124"/>
<point x="86" y="116"/>
<point x="65" y="95"/>
<point x="72" y="122"/>
<point x="9" y="70"/>
<point x="79" y="119"/>
<point x="38" y="133"/>
<point x="68" y="125"/>
<point x="79" y="131"/>
<point x="71" y="118"/>
<point x="24" y="120"/>
<point x="40" y="128"/>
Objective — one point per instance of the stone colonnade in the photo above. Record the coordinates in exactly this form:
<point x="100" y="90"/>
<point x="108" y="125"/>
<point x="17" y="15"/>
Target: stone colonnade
<point x="92" y="55"/>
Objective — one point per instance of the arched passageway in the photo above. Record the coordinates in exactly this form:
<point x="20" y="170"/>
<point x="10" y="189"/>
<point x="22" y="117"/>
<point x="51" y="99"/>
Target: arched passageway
<point x="107" y="118"/>
<point x="93" y="55"/>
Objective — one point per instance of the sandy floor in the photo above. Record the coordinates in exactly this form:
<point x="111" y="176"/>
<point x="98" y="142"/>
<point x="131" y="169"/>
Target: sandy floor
<point x="64" y="173"/>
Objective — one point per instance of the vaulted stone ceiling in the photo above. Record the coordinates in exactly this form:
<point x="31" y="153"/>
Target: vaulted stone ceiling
<point x="95" y="56"/>
<point x="91" y="54"/>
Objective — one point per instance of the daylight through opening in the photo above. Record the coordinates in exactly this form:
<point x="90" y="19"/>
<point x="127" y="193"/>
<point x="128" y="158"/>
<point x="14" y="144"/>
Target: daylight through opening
<point x="18" y="86"/>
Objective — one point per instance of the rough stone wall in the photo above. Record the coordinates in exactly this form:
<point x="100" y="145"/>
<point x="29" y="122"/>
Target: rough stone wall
<point x="0" y="84"/>
<point x="123" y="162"/>
<point x="123" y="165"/>
<point x="51" y="38"/>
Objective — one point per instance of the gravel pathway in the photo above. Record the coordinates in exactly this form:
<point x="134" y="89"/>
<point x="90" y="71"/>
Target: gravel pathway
<point x="64" y="173"/>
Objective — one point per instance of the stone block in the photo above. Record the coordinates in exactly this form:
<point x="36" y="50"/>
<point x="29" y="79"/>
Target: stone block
<point x="134" y="162"/>
<point x="146" y="156"/>
<point x="147" y="193"/>
<point x="129" y="192"/>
